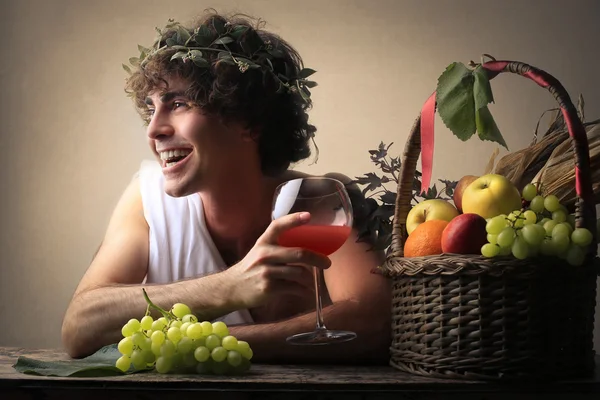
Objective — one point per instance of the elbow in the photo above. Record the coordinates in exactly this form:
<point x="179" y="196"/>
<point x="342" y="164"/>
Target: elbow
<point x="73" y="340"/>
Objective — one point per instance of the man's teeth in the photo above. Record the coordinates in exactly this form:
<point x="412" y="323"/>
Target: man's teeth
<point x="166" y="155"/>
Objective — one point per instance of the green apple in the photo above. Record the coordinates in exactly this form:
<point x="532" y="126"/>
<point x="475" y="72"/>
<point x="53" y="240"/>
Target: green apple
<point x="491" y="195"/>
<point x="428" y="210"/>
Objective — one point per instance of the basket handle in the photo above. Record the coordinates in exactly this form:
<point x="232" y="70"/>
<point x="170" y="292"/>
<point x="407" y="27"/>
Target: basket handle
<point x="585" y="209"/>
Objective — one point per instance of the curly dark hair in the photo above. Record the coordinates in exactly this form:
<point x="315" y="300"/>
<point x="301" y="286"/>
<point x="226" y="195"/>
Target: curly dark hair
<point x="252" y="97"/>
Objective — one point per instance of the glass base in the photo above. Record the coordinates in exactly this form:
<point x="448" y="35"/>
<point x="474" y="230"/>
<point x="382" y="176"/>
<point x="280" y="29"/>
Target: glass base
<point x="321" y="336"/>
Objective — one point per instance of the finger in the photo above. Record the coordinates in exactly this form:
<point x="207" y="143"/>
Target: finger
<point x="299" y="274"/>
<point x="297" y="255"/>
<point x="282" y="224"/>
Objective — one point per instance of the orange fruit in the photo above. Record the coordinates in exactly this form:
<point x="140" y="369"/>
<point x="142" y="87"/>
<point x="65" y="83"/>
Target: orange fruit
<point x="426" y="239"/>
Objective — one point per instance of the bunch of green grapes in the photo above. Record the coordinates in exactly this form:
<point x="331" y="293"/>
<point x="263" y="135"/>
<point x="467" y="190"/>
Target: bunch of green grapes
<point x="178" y="342"/>
<point x="543" y="227"/>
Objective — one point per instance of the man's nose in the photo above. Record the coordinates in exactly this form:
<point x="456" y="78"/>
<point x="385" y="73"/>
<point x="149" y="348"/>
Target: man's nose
<point x="159" y="127"/>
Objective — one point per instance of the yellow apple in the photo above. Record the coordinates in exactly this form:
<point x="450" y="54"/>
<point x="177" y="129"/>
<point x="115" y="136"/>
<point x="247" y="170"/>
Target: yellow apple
<point x="428" y="210"/>
<point x="491" y="195"/>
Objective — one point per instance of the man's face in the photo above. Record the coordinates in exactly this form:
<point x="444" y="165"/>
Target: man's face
<point x="194" y="149"/>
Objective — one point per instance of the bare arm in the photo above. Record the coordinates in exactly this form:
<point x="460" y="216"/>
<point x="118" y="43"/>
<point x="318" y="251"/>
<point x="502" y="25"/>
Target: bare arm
<point x="110" y="292"/>
<point x="361" y="303"/>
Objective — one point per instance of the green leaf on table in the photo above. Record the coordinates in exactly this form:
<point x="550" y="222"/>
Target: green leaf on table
<point x="455" y="101"/>
<point x="101" y="363"/>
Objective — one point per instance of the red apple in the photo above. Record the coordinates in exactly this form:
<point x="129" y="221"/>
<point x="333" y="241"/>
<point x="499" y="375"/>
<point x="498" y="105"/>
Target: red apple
<point x="465" y="234"/>
<point x="460" y="188"/>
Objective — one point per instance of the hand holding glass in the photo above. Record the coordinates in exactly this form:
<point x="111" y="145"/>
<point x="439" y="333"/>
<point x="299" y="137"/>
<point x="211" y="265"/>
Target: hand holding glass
<point x="330" y="224"/>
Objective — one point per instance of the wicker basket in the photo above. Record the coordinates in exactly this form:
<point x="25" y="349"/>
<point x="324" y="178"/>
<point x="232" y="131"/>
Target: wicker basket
<point x="466" y="316"/>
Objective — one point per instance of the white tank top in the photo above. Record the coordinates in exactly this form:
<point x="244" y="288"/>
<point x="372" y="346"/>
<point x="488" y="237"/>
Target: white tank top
<point x="180" y="244"/>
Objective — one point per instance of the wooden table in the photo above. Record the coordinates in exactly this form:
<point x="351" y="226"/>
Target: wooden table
<point x="290" y="382"/>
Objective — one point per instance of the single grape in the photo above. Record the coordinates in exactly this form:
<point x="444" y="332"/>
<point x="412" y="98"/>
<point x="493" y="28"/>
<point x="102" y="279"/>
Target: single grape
<point x="189" y="318"/>
<point x="134" y="325"/>
<point x="145" y="343"/>
<point x="220" y="329"/>
<point x="559" y="216"/>
<point x="218" y="354"/>
<point x="488" y="250"/>
<point x="242" y="346"/>
<point x="201" y="354"/>
<point x="561" y="243"/>
<point x="138" y="338"/>
<point x="175" y="324"/>
<point x="561" y="229"/>
<point x="493" y="239"/>
<point x="194" y="331"/>
<point x="549" y="226"/>
<point x="212" y="341"/>
<point x="206" y="328"/>
<point x="180" y="310"/>
<point x="125" y="331"/>
<point x="551" y="203"/>
<point x="229" y="342"/>
<point x="506" y="237"/>
<point x="158" y="337"/>
<point x="158" y="325"/>
<point x="248" y="353"/>
<point x="537" y="204"/>
<point x="155" y="348"/>
<point x="146" y="322"/>
<point x="581" y="237"/>
<point x="183" y="328"/>
<point x="543" y="221"/>
<point x="533" y="234"/>
<point x="163" y="365"/>
<point x="125" y="346"/>
<point x="174" y="334"/>
<point x="234" y="358"/>
<point x="530" y="217"/>
<point x="138" y="360"/>
<point x="123" y="363"/>
<point x="495" y="225"/>
<point x="529" y="192"/>
<point x="168" y="349"/>
<point x="520" y="248"/>
<point x="575" y="255"/>
<point x="185" y="345"/>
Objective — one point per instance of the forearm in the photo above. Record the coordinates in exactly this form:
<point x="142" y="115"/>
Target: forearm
<point x="371" y="324"/>
<point x="95" y="317"/>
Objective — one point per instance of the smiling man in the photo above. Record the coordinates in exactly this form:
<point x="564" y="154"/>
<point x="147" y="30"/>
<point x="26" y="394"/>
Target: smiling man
<point x="226" y="110"/>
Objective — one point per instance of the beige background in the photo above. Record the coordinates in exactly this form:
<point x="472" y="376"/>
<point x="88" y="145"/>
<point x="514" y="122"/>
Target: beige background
<point x="70" y="139"/>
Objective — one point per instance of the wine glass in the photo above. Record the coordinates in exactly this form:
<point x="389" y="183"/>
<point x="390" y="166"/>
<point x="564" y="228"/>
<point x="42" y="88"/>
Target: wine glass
<point x="328" y="203"/>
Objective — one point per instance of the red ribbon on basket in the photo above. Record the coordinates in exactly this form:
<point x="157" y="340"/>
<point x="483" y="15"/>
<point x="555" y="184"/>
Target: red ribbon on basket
<point x="427" y="120"/>
<point x="493" y="68"/>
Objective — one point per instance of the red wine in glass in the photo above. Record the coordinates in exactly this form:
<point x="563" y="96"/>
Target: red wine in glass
<point x="328" y="203"/>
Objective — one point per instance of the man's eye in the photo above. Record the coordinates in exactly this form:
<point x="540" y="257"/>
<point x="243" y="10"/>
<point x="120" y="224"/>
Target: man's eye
<point x="178" y="104"/>
<point x="150" y="112"/>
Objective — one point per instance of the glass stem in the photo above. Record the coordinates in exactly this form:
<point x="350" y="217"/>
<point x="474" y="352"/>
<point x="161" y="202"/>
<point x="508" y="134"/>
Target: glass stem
<point x="318" y="273"/>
